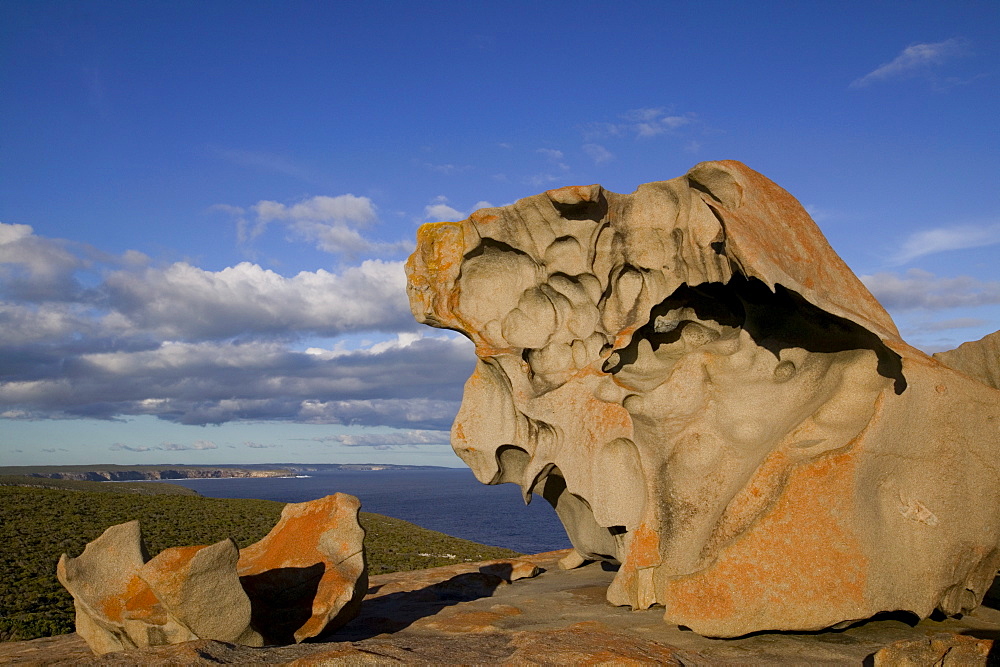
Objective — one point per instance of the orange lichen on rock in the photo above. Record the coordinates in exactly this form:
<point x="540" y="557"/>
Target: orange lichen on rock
<point x="822" y="567"/>
<point x="708" y="396"/>
<point x="305" y="578"/>
<point x="314" y="553"/>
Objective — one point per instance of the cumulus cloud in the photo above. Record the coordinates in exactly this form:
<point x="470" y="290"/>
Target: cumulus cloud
<point x="393" y="440"/>
<point x="33" y="267"/>
<point x="258" y="445"/>
<point x="919" y="289"/>
<point x="333" y="224"/>
<point x="440" y="211"/>
<point x="913" y="60"/>
<point x="413" y="383"/>
<point x="941" y="239"/>
<point x="194" y="346"/>
<point x="184" y="301"/>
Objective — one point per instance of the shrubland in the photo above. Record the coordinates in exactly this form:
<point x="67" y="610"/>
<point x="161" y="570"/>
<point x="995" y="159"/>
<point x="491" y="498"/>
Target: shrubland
<point x="38" y="524"/>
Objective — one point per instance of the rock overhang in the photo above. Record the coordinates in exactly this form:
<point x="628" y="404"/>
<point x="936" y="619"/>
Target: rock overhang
<point x="661" y="366"/>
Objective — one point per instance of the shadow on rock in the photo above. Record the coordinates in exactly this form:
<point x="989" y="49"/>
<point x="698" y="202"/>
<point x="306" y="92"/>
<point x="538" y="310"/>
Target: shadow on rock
<point x="394" y="611"/>
<point x="281" y="600"/>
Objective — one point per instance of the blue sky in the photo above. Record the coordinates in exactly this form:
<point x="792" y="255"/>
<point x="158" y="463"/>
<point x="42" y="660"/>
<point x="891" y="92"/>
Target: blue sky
<point x="204" y="206"/>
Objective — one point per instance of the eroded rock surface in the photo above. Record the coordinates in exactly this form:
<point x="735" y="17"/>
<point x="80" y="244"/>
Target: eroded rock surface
<point x="708" y="396"/>
<point x="306" y="577"/>
<point x="456" y="614"/>
<point x="978" y="358"/>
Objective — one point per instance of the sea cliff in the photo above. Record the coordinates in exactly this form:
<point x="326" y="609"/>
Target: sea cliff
<point x="166" y="473"/>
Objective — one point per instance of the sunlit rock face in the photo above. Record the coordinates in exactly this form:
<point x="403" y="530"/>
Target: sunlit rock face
<point x="707" y="395"/>
<point x="305" y="578"/>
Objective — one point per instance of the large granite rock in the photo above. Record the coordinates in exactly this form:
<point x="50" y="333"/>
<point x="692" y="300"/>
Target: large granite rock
<point x="306" y="577"/>
<point x="708" y="396"/>
<point x="979" y="359"/>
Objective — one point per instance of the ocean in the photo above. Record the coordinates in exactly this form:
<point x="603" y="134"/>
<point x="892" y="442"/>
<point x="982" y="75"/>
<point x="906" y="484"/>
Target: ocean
<point x="451" y="501"/>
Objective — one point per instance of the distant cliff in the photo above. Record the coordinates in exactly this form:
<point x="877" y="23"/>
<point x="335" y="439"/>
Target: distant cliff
<point x="166" y="473"/>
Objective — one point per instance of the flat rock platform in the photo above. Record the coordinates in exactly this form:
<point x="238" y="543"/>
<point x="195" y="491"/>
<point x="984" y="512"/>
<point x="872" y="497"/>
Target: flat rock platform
<point x="472" y="613"/>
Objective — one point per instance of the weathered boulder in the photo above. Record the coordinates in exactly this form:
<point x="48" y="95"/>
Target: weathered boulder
<point x="305" y="578"/>
<point x="309" y="574"/>
<point x="708" y="395"/>
<point x="945" y="649"/>
<point x="979" y="359"/>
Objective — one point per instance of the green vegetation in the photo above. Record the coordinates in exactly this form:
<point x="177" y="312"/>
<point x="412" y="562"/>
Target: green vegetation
<point x="37" y="525"/>
<point x="115" y="467"/>
<point x="143" y="488"/>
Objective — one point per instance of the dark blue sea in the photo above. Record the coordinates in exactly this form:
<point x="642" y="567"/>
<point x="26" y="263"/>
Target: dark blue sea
<point x="451" y="501"/>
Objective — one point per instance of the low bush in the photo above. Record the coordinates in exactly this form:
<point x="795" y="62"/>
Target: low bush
<point x="37" y="525"/>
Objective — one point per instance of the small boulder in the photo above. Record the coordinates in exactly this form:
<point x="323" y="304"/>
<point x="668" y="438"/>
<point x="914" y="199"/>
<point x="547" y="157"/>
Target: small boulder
<point x="309" y="574"/>
<point x="943" y="648"/>
<point x="306" y="577"/>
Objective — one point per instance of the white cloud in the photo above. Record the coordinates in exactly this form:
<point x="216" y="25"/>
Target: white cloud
<point x="258" y="445"/>
<point x="194" y="346"/>
<point x="641" y="123"/>
<point x="339" y="210"/>
<point x="912" y="60"/>
<point x="331" y="223"/>
<point x="539" y="180"/>
<point x="643" y="115"/>
<point x="597" y="153"/>
<point x="121" y="447"/>
<point x="942" y="239"/>
<point x="13" y="233"/>
<point x="651" y="122"/>
<point x="394" y="440"/>
<point x="919" y="289"/>
<point x="197" y="445"/>
<point x="556" y="158"/>
<point x="411" y="382"/>
<point x="184" y="301"/>
<point x="440" y="211"/>
<point x="34" y="267"/>
<point x="818" y="214"/>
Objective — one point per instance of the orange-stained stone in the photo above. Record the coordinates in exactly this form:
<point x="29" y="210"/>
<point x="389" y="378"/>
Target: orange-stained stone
<point x="765" y="452"/>
<point x="316" y="547"/>
<point x="822" y="564"/>
<point x="305" y="578"/>
<point x="644" y="550"/>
